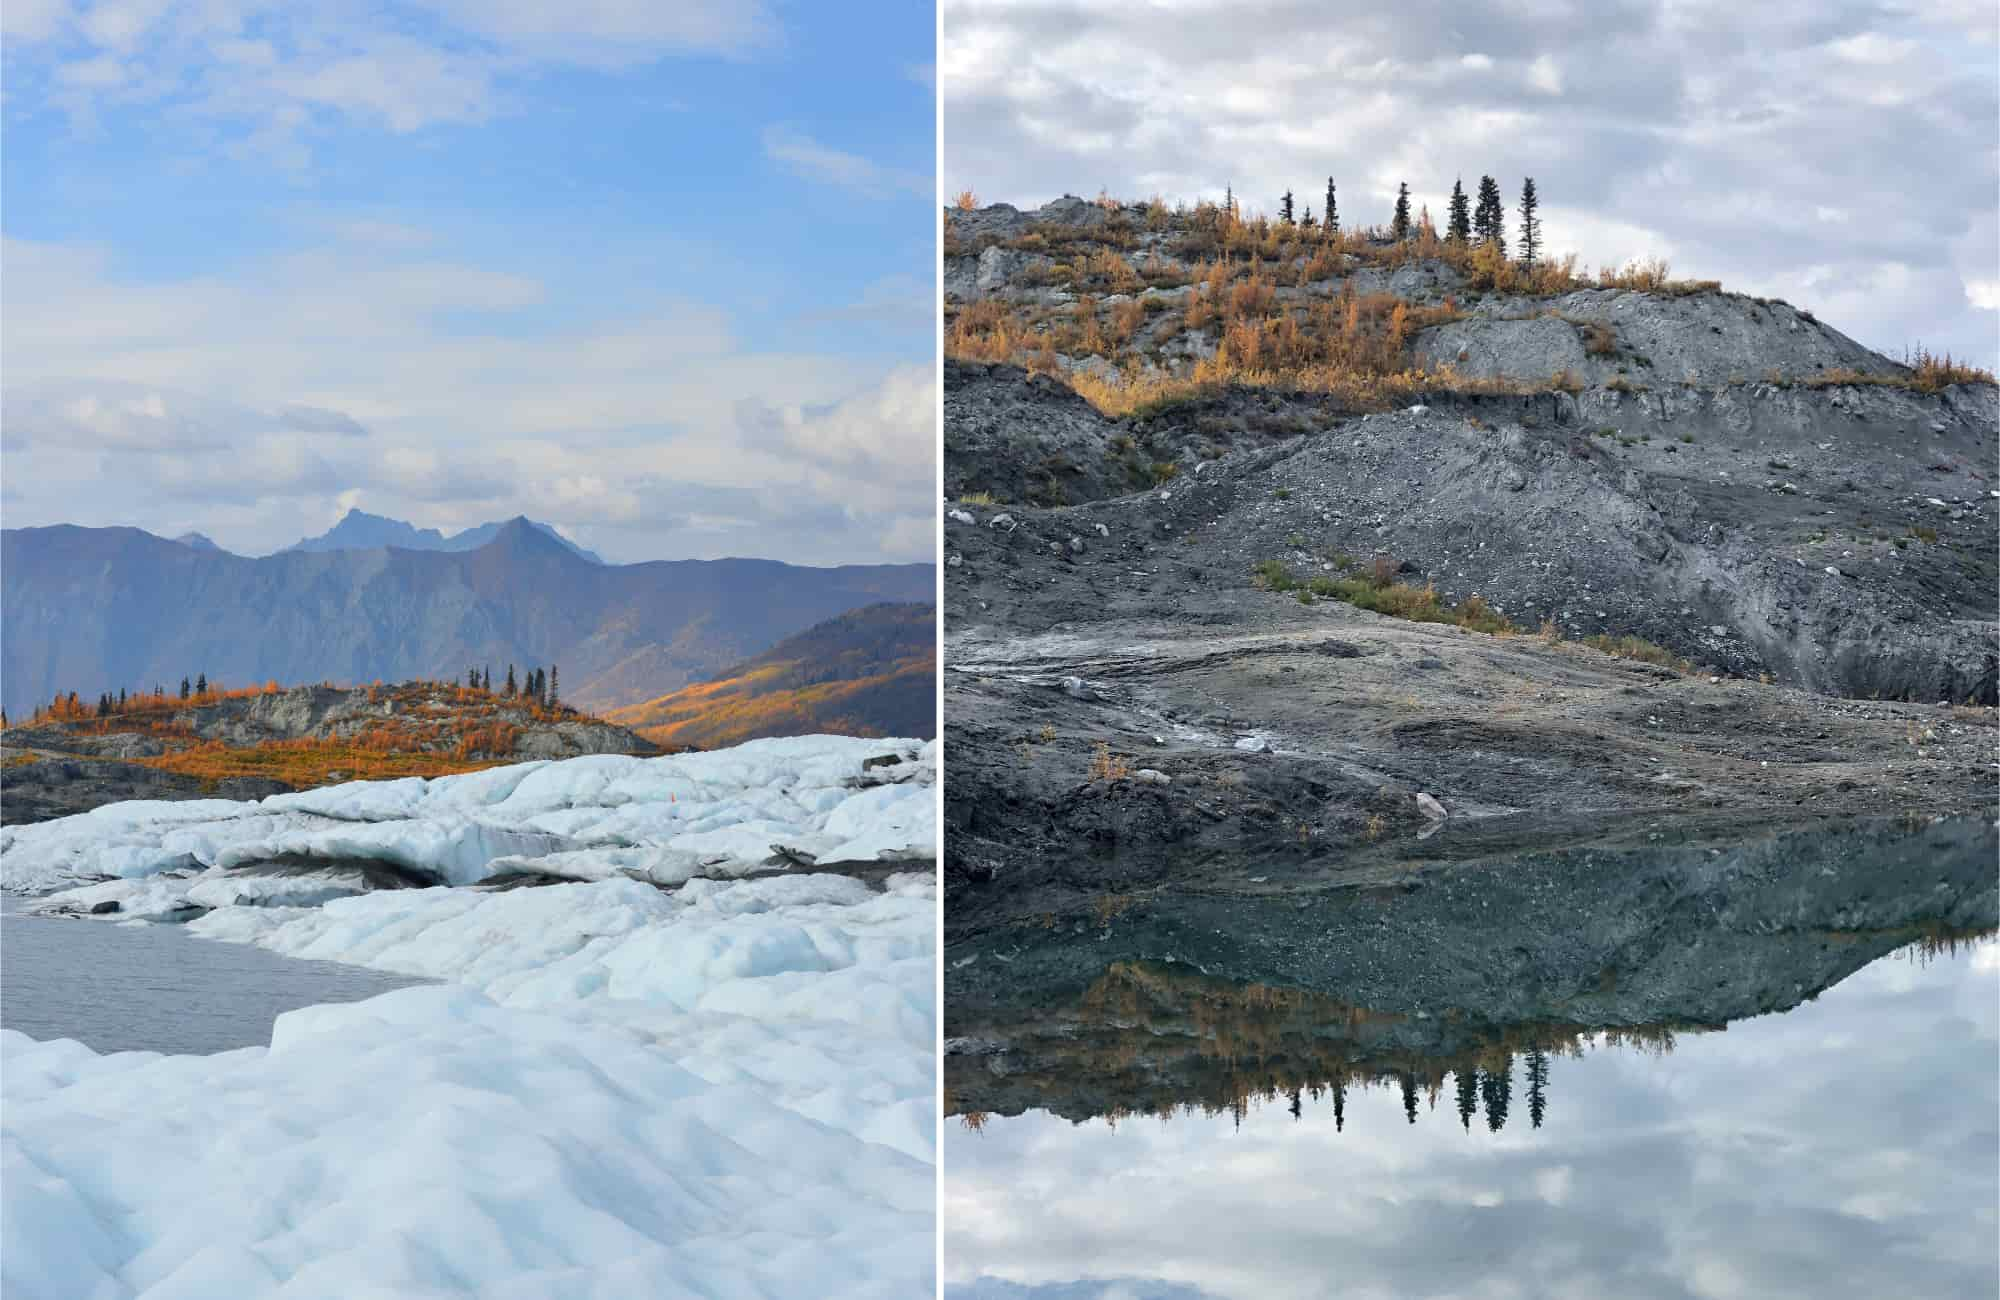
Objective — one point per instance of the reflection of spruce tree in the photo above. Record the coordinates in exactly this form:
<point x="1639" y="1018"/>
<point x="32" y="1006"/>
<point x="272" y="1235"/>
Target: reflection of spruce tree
<point x="1298" y="1104"/>
<point x="1538" y="1082"/>
<point x="1468" y="1095"/>
<point x="1494" y="1090"/>
<point x="1339" y="1106"/>
<point x="1410" y="1098"/>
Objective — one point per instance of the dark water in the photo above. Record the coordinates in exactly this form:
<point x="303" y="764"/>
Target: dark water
<point x="1849" y="1146"/>
<point x="119" y="988"/>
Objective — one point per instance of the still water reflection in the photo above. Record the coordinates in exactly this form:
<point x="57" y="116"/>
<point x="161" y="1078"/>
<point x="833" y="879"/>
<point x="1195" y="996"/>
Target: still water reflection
<point x="1262" y="1142"/>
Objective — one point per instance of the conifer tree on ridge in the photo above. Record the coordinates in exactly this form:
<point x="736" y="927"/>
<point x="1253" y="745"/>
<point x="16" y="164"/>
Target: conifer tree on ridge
<point x="1458" y="225"/>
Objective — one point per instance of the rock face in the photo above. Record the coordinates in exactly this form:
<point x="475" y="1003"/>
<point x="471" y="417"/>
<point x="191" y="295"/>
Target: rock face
<point x="1663" y="517"/>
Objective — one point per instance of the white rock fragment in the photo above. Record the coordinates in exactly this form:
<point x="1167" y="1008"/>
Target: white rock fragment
<point x="958" y="516"/>
<point x="1152" y="776"/>
<point x="1002" y="521"/>
<point x="1253" y="744"/>
<point x="1430" y="807"/>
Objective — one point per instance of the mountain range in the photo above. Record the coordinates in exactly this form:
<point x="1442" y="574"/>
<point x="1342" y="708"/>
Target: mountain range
<point x="871" y="671"/>
<point x="95" y="609"/>
<point x="360" y="531"/>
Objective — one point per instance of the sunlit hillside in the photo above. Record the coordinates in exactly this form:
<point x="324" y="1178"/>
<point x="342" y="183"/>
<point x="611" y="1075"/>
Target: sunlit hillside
<point x="871" y="672"/>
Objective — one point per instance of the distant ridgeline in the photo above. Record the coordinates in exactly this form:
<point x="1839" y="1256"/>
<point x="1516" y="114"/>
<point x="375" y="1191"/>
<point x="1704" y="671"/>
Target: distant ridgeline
<point x="94" y="610"/>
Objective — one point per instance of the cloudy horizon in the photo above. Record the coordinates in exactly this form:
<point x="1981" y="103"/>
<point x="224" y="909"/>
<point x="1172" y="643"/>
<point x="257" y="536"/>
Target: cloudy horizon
<point x="626" y="273"/>
<point x="1843" y="157"/>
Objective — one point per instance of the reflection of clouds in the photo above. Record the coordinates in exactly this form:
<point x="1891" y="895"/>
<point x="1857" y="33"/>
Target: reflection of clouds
<point x="1844" y="1148"/>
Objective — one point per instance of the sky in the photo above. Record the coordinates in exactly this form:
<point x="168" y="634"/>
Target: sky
<point x="661" y="275"/>
<point x="1847" y="1144"/>
<point x="1843" y="156"/>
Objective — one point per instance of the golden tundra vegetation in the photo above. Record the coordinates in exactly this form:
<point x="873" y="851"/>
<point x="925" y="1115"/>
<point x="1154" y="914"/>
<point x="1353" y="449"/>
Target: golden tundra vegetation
<point x="427" y="728"/>
<point x="1354" y="347"/>
<point x="869" y="672"/>
<point x="765" y="701"/>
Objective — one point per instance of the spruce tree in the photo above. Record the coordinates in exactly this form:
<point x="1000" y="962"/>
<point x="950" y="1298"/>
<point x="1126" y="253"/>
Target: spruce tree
<point x="1307" y="220"/>
<point x="1493" y="1091"/>
<point x="187" y="688"/>
<point x="511" y="688"/>
<point x="1531" y="224"/>
<point x="1332" y="218"/>
<point x="1458" y="227"/>
<point x="554" y="699"/>
<point x="1285" y="208"/>
<point x="1228" y="201"/>
<point x="1489" y="218"/>
<point x="1399" y="225"/>
<point x="201" y="684"/>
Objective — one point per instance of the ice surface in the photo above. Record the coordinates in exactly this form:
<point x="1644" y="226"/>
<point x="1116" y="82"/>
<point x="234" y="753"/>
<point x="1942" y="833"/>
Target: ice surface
<point x="688" y="814"/>
<point x="710" y="1086"/>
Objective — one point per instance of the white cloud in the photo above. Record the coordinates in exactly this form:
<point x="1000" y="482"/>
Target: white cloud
<point x="806" y="157"/>
<point x="33" y="20"/>
<point x="1544" y="75"/>
<point x="1748" y="123"/>
<point x="387" y="369"/>
<point x="616" y="32"/>
<point x="272" y="69"/>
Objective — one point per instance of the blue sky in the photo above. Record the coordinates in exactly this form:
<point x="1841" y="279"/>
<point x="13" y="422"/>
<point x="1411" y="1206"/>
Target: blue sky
<point x="660" y="274"/>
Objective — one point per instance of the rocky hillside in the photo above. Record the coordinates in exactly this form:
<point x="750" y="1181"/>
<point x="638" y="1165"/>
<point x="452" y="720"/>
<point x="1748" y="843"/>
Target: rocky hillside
<point x="872" y="672"/>
<point x="1280" y="559"/>
<point x="1722" y="475"/>
<point x="247" y="744"/>
<point x="95" y="609"/>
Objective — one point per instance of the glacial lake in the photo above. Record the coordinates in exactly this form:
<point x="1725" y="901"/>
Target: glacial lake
<point x="154" y="987"/>
<point x="1848" y="1146"/>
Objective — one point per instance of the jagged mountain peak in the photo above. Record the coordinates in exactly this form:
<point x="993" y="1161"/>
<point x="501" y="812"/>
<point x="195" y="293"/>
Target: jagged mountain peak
<point x="358" y="530"/>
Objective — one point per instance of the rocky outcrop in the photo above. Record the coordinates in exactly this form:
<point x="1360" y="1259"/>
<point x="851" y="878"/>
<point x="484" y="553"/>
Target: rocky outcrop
<point x="56" y="769"/>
